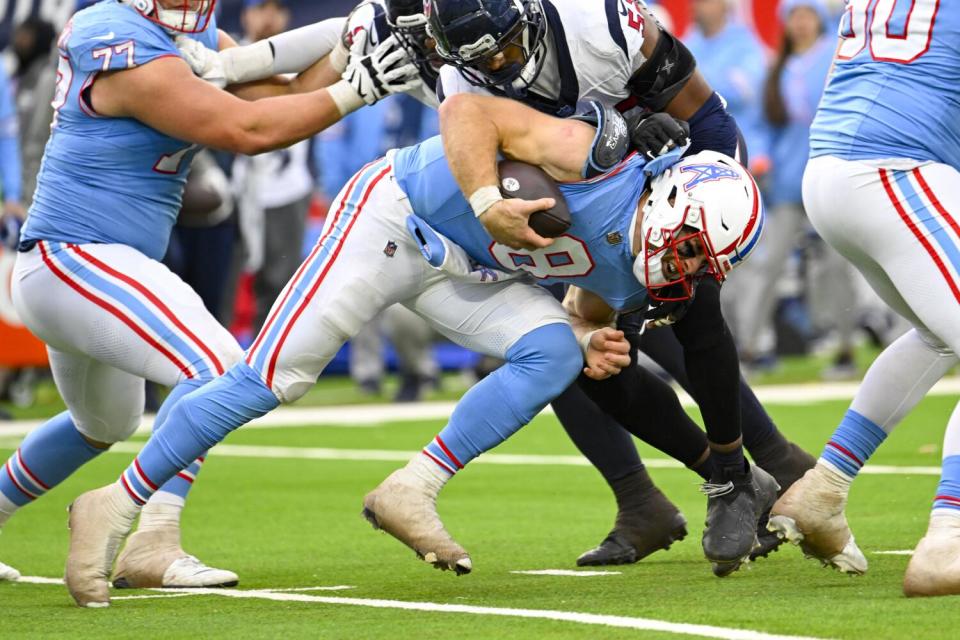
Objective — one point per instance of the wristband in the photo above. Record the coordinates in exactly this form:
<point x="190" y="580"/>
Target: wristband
<point x="484" y="198"/>
<point x="585" y="341"/>
<point x="345" y="97"/>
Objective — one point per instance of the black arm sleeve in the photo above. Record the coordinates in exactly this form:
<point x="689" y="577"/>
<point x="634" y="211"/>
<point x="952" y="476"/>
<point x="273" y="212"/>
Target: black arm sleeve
<point x="710" y="357"/>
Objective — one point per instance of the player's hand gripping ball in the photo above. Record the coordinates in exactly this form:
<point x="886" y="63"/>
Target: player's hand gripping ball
<point x="527" y="182"/>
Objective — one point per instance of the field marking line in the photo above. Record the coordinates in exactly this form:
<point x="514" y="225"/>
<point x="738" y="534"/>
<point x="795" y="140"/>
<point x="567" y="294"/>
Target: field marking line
<point x="385" y="455"/>
<point x="153" y="596"/>
<point x="898" y="552"/>
<point x="625" y="622"/>
<point x="567" y="572"/>
<point x="375" y="415"/>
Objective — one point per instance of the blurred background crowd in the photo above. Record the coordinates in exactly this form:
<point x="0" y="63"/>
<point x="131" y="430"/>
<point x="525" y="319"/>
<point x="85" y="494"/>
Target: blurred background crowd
<point x="246" y="221"/>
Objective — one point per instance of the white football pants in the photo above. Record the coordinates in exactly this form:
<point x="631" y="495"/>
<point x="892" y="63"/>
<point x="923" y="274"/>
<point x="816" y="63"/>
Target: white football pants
<point x="365" y="261"/>
<point x="898" y="222"/>
<point x="112" y="317"/>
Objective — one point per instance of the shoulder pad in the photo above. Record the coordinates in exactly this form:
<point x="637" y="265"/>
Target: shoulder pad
<point x="611" y="143"/>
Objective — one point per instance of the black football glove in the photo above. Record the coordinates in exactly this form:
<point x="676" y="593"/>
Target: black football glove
<point x="652" y="134"/>
<point x="663" y="314"/>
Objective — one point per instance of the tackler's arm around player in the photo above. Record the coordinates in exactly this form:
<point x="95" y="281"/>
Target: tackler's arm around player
<point x="606" y="350"/>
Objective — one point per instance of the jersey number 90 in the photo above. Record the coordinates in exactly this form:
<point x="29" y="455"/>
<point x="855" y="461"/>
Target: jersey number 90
<point x="894" y="30"/>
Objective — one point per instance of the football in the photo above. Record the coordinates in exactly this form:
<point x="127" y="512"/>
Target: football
<point x="525" y="181"/>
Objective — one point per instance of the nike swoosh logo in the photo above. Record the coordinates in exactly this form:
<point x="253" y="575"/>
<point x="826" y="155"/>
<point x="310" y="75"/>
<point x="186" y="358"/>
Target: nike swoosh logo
<point x="109" y="36"/>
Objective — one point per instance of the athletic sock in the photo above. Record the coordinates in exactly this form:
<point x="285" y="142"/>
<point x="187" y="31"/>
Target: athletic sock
<point x="159" y="514"/>
<point x="195" y="423"/>
<point x="732" y="459"/>
<point x="539" y="366"/>
<point x="852" y="444"/>
<point x="947" y="500"/>
<point x="431" y="475"/>
<point x="46" y="457"/>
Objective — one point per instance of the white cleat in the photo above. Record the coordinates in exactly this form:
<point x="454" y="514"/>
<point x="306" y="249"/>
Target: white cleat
<point x="8" y="573"/>
<point x="403" y="508"/>
<point x="99" y="521"/>
<point x="934" y="569"/>
<point x="810" y="515"/>
<point x="153" y="559"/>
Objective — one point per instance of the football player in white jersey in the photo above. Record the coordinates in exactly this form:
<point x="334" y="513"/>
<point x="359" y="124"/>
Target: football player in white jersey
<point x="883" y="188"/>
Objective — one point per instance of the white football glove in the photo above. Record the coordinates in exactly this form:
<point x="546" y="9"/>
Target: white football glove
<point x="206" y="63"/>
<point x="384" y="71"/>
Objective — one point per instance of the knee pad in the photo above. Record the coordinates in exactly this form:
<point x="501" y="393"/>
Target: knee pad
<point x="108" y="429"/>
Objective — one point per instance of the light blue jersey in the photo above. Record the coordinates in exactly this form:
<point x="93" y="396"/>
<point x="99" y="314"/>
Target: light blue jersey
<point x="595" y="254"/>
<point x="894" y="90"/>
<point x="109" y="180"/>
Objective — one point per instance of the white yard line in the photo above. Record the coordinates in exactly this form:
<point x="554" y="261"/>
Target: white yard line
<point x="374" y="415"/>
<point x="386" y="455"/>
<point x="899" y="552"/>
<point x="625" y="622"/>
<point x="566" y="572"/>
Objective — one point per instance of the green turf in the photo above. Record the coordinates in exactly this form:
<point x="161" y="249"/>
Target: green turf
<point x="295" y="523"/>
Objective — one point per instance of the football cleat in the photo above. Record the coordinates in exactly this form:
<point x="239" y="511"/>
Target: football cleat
<point x="154" y="559"/>
<point x="811" y="516"/>
<point x="8" y="573"/>
<point x="934" y="569"/>
<point x="99" y="521"/>
<point x="736" y="501"/>
<point x="656" y="525"/>
<point x="767" y="541"/>
<point x="403" y="508"/>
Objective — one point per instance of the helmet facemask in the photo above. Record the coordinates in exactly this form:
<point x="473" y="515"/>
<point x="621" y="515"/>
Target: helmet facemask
<point x="411" y="33"/>
<point x="706" y="205"/>
<point x="185" y="16"/>
<point x="523" y="46"/>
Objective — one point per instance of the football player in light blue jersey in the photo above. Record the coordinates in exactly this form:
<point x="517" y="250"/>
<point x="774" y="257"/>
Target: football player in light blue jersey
<point x="130" y="114"/>
<point x="701" y="217"/>
<point x="883" y="187"/>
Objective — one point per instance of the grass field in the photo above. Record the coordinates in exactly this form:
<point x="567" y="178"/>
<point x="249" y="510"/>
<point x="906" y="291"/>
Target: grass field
<point x="290" y="522"/>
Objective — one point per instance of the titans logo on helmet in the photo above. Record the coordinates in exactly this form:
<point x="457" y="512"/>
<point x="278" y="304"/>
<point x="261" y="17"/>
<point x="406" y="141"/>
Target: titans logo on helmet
<point x="708" y="172"/>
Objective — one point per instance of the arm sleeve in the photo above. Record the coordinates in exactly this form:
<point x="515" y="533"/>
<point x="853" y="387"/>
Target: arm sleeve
<point x="294" y="51"/>
<point x="712" y="365"/>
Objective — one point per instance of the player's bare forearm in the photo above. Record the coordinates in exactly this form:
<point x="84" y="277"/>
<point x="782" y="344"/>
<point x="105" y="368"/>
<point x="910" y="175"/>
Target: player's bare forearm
<point x="475" y="128"/>
<point x="199" y="112"/>
<point x="320" y="75"/>
<point x="588" y="311"/>
<point x="606" y="350"/>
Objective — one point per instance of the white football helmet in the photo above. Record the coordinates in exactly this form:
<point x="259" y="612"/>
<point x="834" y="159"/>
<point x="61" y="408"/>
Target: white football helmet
<point x="708" y="198"/>
<point x="181" y="16"/>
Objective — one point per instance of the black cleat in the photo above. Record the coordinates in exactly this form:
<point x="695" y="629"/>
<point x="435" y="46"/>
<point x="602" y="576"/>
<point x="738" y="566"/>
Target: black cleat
<point x="646" y="522"/>
<point x="628" y="547"/>
<point x="767" y="540"/>
<point x="737" y="499"/>
<point x="785" y="461"/>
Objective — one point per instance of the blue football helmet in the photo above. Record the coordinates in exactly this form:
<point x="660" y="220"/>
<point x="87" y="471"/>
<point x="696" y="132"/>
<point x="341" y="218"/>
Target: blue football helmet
<point x="470" y="34"/>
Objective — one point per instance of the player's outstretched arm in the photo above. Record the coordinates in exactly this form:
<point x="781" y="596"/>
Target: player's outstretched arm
<point x="166" y="95"/>
<point x="476" y="128"/>
<point x="606" y="350"/>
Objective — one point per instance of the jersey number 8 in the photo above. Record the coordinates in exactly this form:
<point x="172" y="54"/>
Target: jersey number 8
<point x="895" y="30"/>
<point x="567" y="257"/>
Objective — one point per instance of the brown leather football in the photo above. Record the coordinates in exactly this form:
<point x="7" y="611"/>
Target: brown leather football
<point x="522" y="180"/>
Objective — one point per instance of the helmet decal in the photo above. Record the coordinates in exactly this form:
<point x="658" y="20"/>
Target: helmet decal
<point x="707" y="172"/>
